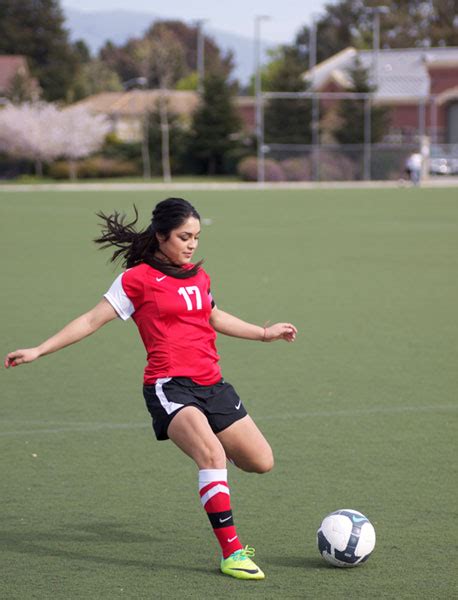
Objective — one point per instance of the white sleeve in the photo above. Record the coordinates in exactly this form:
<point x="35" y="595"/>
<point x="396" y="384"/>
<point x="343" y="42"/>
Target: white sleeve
<point x="119" y="300"/>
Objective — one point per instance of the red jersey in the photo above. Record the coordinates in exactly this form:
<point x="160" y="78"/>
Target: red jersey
<point x="173" y="318"/>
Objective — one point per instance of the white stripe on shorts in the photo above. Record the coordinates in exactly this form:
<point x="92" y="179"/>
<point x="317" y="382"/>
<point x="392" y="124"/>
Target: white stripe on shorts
<point x="168" y="406"/>
<point x="217" y="489"/>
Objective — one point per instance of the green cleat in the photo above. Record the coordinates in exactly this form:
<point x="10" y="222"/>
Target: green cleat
<point x="240" y="565"/>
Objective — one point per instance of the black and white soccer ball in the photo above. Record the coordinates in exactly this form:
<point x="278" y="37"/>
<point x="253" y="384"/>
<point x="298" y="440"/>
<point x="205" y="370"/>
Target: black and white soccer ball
<point x="346" y="538"/>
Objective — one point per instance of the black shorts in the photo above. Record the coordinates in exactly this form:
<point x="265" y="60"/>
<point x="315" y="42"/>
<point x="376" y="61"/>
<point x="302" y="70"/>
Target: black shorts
<point x="219" y="403"/>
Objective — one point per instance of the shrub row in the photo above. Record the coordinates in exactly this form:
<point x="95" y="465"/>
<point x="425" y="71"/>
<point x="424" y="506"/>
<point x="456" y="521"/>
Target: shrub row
<point x="94" y="167"/>
<point x="332" y="167"/>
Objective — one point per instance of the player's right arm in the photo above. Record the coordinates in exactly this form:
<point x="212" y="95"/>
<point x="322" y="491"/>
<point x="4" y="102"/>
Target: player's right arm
<point x="75" y="331"/>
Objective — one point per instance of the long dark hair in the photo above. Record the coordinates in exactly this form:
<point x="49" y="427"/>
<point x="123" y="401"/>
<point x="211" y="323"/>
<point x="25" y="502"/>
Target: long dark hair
<point x="136" y="247"/>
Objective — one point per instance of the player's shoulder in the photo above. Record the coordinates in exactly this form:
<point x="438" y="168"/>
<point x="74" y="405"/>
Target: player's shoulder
<point x="137" y="272"/>
<point x="136" y="276"/>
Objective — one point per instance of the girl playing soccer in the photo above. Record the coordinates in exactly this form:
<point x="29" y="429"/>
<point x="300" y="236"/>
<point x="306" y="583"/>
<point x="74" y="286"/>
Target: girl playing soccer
<point x="170" y="300"/>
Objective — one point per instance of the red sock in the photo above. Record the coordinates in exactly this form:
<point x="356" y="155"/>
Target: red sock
<point x="216" y="500"/>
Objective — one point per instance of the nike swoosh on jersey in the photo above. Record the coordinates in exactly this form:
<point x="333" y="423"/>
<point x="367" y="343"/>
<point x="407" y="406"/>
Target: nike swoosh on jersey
<point x="160" y="278"/>
<point x="237" y="406"/>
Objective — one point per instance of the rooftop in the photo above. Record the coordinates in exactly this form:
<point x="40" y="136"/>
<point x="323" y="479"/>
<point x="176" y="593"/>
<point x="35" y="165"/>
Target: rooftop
<point x="401" y="73"/>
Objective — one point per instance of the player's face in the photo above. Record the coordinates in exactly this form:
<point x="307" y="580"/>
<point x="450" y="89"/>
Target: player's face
<point x="182" y="242"/>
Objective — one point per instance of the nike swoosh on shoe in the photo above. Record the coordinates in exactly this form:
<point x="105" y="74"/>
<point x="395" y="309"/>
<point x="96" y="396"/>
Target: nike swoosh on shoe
<point x="251" y="571"/>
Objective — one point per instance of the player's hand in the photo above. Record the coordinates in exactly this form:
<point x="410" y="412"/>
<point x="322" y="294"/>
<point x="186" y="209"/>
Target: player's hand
<point x="280" y="331"/>
<point x="21" y="357"/>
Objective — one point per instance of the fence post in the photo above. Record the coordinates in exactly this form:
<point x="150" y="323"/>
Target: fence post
<point x="315" y="138"/>
<point x="367" y="138"/>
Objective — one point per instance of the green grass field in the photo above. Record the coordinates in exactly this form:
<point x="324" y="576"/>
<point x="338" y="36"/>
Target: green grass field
<point x="361" y="411"/>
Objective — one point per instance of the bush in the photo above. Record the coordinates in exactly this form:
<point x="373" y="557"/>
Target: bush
<point x="95" y="167"/>
<point x="297" y="169"/>
<point x="116" y="149"/>
<point x="248" y="169"/>
<point x="334" y="166"/>
<point x="388" y="164"/>
<point x="14" y="167"/>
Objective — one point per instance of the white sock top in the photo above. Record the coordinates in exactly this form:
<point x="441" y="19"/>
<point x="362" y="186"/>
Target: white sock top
<point x="206" y="476"/>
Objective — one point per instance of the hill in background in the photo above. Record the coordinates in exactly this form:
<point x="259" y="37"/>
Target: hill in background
<point x="118" y="25"/>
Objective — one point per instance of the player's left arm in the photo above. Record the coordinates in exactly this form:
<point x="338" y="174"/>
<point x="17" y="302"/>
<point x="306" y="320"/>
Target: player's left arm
<point x="228" y="324"/>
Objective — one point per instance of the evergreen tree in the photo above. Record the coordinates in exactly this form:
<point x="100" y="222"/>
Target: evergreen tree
<point x="35" y="29"/>
<point x="214" y="125"/>
<point x="351" y="112"/>
<point x="288" y="121"/>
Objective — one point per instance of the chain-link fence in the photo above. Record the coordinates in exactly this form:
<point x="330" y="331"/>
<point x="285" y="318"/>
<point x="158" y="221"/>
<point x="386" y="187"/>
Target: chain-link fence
<point x="323" y="159"/>
<point x="335" y="162"/>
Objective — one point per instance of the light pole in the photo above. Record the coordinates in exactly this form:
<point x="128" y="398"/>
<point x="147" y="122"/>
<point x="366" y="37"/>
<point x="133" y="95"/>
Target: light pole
<point x="129" y="85"/>
<point x="259" y="113"/>
<point x="376" y="11"/>
<point x="200" y="54"/>
<point x="312" y="44"/>
<point x="315" y="101"/>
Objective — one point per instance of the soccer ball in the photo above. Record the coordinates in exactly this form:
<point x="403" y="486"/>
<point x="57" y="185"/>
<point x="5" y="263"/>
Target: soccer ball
<point x="346" y="538"/>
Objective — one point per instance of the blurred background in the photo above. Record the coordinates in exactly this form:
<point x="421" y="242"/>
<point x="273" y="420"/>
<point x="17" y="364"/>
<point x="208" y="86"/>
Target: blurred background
<point x="343" y="90"/>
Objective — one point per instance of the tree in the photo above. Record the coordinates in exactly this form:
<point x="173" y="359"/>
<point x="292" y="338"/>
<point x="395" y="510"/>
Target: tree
<point x="216" y="62"/>
<point x="189" y="82"/>
<point x="34" y="28"/>
<point x="214" y="127"/>
<point x="288" y="121"/>
<point x="22" y="89"/>
<point x="82" y="51"/>
<point x="178" y="141"/>
<point x="80" y="134"/>
<point x="124" y="59"/>
<point x="27" y="131"/>
<point x="270" y="71"/>
<point x="94" y="77"/>
<point x="408" y="23"/>
<point x="41" y="132"/>
<point x="351" y="112"/>
<point x="161" y="59"/>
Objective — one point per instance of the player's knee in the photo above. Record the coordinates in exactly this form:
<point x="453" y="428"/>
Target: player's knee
<point x="213" y="457"/>
<point x="264" y="463"/>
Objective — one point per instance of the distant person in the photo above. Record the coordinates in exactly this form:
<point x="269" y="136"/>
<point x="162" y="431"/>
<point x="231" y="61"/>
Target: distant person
<point x="169" y="299"/>
<point x="414" y="164"/>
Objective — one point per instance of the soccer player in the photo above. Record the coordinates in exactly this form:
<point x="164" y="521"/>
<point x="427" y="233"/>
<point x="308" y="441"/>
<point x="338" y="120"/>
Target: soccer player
<point x="170" y="300"/>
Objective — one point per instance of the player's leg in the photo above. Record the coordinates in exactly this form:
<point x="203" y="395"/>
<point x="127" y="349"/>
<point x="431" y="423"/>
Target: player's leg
<point x="244" y="444"/>
<point x="190" y="431"/>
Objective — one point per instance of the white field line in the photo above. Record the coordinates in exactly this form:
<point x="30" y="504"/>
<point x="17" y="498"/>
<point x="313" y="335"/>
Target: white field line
<point x="88" y="427"/>
<point x="355" y="412"/>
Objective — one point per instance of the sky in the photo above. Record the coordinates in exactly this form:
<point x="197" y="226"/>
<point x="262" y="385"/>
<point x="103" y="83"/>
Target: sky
<point x="236" y="16"/>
